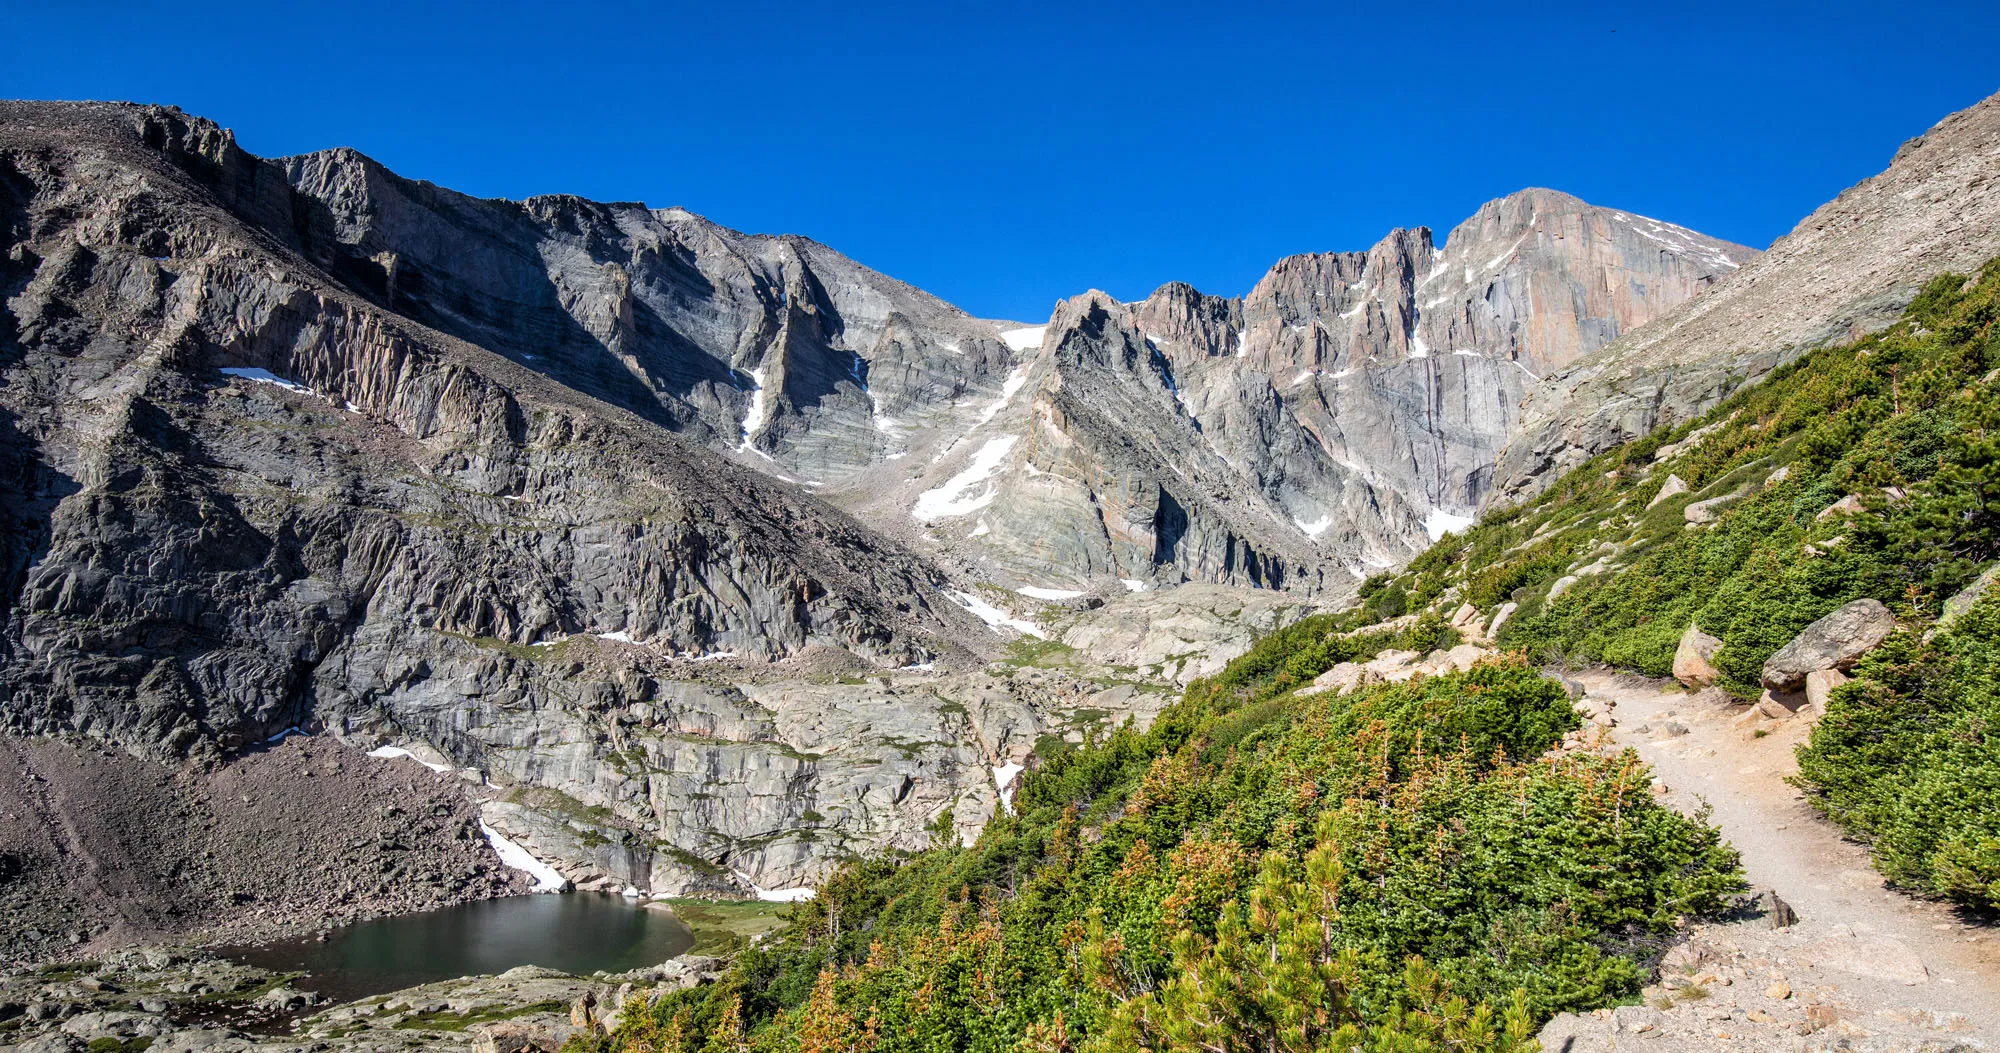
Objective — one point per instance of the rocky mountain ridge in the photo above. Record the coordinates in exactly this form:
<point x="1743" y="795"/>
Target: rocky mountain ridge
<point x="1337" y="418"/>
<point x="1348" y="442"/>
<point x="1845" y="271"/>
<point x="250" y="488"/>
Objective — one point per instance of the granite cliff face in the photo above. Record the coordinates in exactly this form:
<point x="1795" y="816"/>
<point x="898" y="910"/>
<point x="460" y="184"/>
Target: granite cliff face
<point x="1846" y="270"/>
<point x="1337" y="418"/>
<point x="689" y="548"/>
<point x="776" y="347"/>
<point x="242" y="497"/>
<point x="1327" y="418"/>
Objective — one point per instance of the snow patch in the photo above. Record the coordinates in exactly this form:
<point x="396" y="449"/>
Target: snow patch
<point x="777" y="895"/>
<point x="1440" y="522"/>
<point x="1024" y="339"/>
<point x="994" y="616"/>
<point x="1007" y="389"/>
<point x="754" y="418"/>
<point x="953" y="498"/>
<point x="1040" y="593"/>
<point x="515" y="857"/>
<point x="1003" y="780"/>
<point x="1133" y="584"/>
<point x="265" y="376"/>
<point x="392" y="752"/>
<point x="1316" y="527"/>
<point x="282" y="736"/>
<point x="1419" y="349"/>
<point x="1358" y="308"/>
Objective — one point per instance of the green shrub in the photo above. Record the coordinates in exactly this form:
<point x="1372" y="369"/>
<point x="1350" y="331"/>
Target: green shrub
<point x="1462" y="888"/>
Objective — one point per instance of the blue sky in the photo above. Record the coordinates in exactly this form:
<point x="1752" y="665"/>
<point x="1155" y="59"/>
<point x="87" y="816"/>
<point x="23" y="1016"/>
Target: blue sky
<point x="1005" y="156"/>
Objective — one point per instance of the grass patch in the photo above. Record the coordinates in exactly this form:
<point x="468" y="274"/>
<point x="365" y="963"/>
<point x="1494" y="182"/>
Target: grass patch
<point x="724" y="927"/>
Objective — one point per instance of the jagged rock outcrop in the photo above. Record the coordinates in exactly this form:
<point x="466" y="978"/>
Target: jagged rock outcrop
<point x="241" y="496"/>
<point x="777" y="346"/>
<point x="1318" y="393"/>
<point x="1846" y="270"/>
<point x="303" y="442"/>
<point x="1338" y="417"/>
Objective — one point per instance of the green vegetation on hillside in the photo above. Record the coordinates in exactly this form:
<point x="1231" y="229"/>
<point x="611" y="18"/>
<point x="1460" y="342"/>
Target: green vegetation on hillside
<point x="1407" y="866"/>
<point x="1400" y="868"/>
<point x="1909" y="758"/>
<point x="1864" y="471"/>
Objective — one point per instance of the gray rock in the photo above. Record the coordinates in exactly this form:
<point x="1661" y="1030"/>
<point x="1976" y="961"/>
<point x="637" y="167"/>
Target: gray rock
<point x="1929" y="212"/>
<point x="1775" y="912"/>
<point x="1835" y="641"/>
<point x="1708" y="511"/>
<point x="1673" y="487"/>
<point x="1963" y="600"/>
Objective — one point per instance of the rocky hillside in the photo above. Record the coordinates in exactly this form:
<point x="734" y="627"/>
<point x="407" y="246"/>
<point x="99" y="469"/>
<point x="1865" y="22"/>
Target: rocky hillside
<point x="254" y="484"/>
<point x="1845" y="271"/>
<point x="243" y="496"/>
<point x="1819" y="549"/>
<point x="1337" y="418"/>
<point x="1284" y="439"/>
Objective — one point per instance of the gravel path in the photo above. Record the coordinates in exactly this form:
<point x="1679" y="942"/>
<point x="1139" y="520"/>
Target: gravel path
<point x="1865" y="967"/>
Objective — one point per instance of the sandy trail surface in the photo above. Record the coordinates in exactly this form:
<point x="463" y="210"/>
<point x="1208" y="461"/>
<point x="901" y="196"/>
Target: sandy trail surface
<point x="1864" y="967"/>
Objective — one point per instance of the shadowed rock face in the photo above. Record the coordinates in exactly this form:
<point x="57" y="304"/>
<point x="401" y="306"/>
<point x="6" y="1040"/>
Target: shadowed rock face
<point x="305" y="443"/>
<point x="774" y="345"/>
<point x="1341" y="404"/>
<point x="1845" y="271"/>
<point x="241" y="496"/>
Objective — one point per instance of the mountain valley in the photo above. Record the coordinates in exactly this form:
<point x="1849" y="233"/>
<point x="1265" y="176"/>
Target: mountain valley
<point x="1036" y="665"/>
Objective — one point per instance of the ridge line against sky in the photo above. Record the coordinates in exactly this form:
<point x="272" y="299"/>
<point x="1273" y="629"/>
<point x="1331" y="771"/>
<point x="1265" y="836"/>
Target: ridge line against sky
<point x="1004" y="159"/>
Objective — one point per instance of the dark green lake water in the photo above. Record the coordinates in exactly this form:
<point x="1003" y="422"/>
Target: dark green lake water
<point x="578" y="932"/>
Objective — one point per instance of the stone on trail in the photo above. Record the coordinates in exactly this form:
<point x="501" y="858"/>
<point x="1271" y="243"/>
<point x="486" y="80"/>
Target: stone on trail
<point x="1694" y="659"/>
<point x="1820" y="684"/>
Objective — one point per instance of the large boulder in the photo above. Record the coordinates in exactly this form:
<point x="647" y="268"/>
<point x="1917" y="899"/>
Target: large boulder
<point x="1468" y="622"/>
<point x="1393" y="666"/>
<point x="1708" y="511"/>
<point x="1694" y="659"/>
<point x="1457" y="660"/>
<point x="1833" y="642"/>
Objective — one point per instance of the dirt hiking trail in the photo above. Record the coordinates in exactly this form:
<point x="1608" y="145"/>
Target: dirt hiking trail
<point x="1864" y="967"/>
